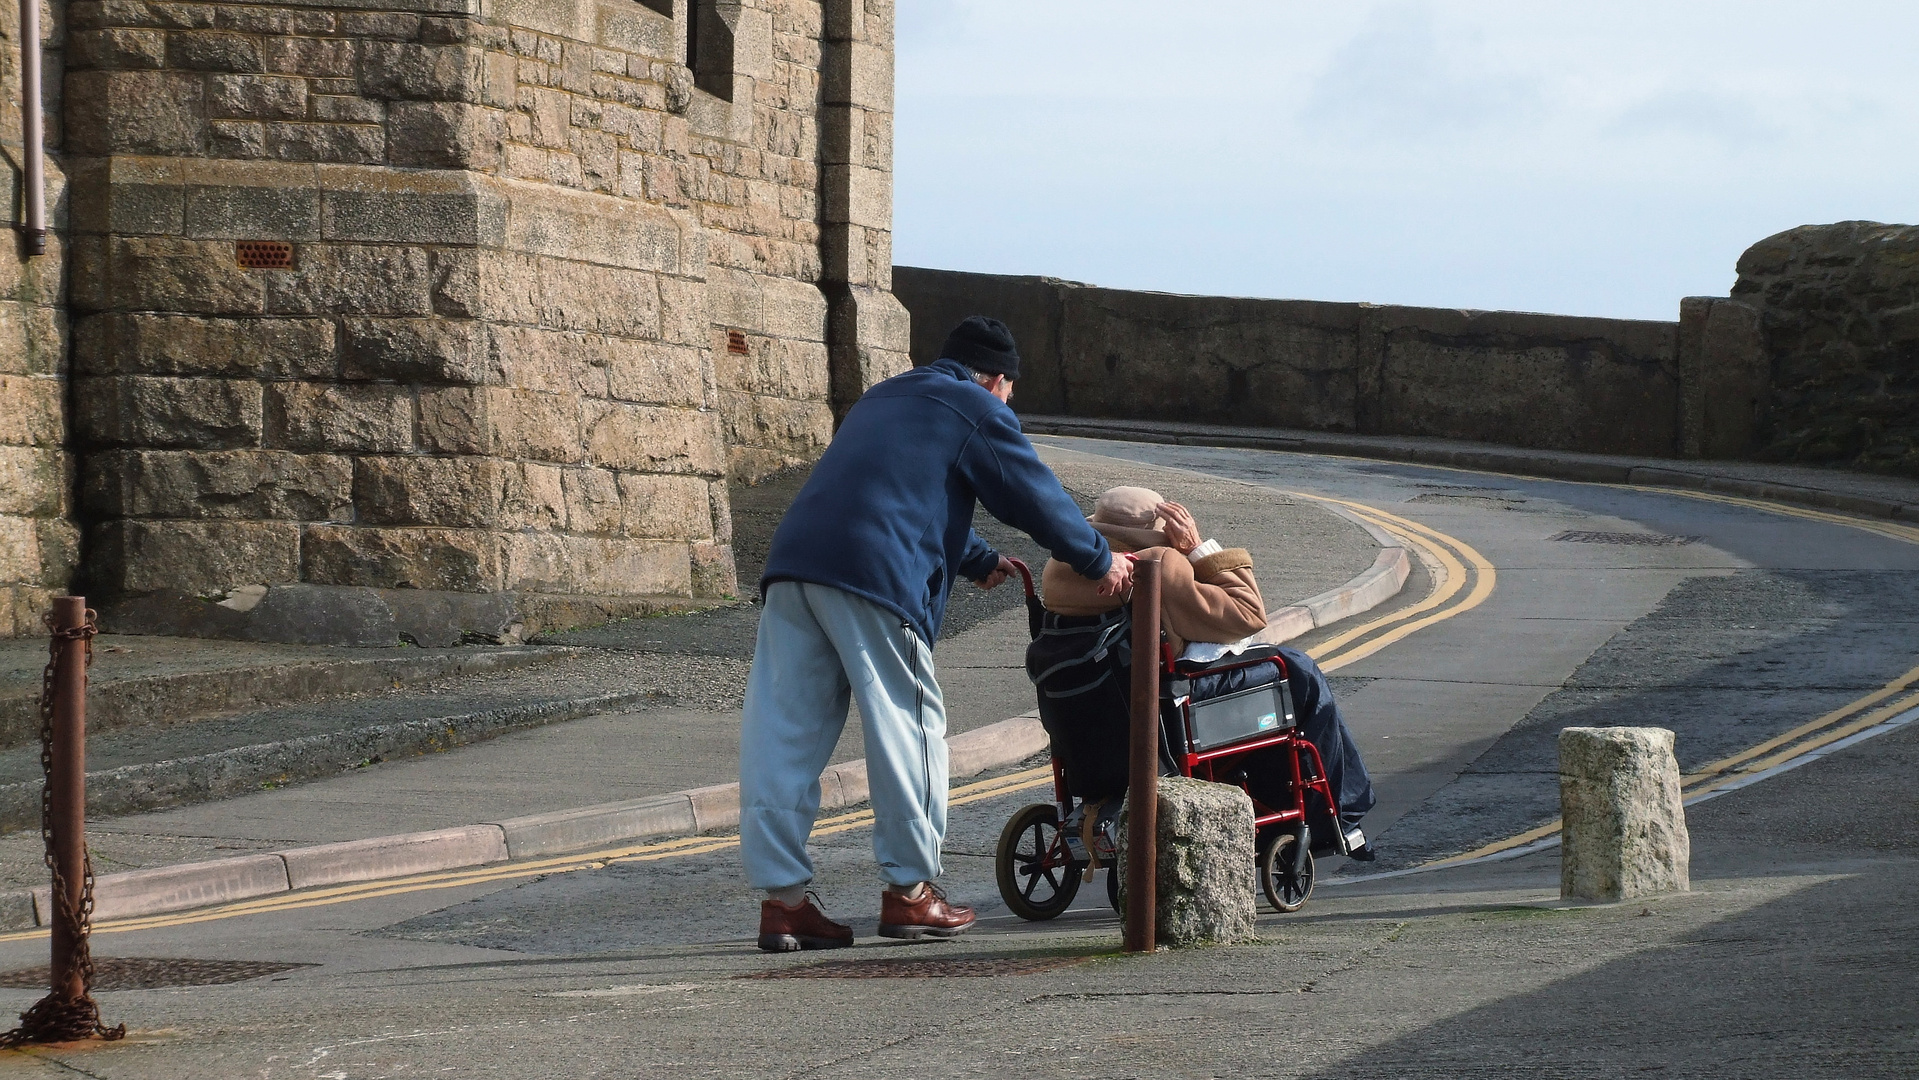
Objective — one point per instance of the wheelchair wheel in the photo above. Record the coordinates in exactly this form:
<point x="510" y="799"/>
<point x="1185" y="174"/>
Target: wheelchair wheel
<point x="1035" y="877"/>
<point x="1284" y="889"/>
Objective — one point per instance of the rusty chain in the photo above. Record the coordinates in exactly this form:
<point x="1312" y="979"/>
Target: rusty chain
<point x="56" y="1017"/>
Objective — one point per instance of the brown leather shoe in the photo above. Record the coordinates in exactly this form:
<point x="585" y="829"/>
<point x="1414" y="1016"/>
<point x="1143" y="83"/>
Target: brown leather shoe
<point x="928" y="916"/>
<point x="784" y="928"/>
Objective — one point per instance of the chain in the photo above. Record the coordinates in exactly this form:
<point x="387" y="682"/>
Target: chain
<point x="56" y="1017"/>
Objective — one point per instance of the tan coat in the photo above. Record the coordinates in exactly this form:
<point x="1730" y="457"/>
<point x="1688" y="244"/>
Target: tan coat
<point x="1214" y="599"/>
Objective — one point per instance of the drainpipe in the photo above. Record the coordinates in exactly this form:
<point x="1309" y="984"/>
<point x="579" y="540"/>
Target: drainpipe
<point x="33" y="138"/>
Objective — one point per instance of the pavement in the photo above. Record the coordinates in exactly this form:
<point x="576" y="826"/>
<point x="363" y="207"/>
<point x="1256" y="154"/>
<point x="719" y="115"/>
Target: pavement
<point x="585" y="738"/>
<point x="1791" y="956"/>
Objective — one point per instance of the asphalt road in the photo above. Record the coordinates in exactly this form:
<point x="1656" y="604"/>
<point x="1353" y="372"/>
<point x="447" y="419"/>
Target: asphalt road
<point x="1794" y="956"/>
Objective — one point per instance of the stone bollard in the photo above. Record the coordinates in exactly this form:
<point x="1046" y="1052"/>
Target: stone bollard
<point x="1205" y="866"/>
<point x="1623" y="831"/>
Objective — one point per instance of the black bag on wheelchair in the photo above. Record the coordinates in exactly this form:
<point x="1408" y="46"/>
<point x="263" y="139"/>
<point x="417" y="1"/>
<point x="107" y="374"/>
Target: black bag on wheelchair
<point x="1081" y="667"/>
<point x="1231" y="699"/>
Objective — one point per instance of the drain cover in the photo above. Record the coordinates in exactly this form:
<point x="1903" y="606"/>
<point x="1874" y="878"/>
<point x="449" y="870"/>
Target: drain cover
<point x="153" y="973"/>
<point x="923" y="969"/>
<point x="1640" y="539"/>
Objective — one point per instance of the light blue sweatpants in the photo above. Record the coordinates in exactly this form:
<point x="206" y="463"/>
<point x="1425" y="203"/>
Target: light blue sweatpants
<point x="817" y="647"/>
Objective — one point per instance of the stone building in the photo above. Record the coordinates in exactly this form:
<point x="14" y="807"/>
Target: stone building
<point x="436" y="318"/>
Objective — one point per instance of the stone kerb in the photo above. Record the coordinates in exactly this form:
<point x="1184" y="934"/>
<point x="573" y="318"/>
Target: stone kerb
<point x="1623" y="824"/>
<point x="1205" y="864"/>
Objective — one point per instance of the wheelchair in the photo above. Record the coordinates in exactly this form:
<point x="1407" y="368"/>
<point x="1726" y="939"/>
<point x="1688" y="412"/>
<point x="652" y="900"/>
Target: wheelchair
<point x="1229" y="721"/>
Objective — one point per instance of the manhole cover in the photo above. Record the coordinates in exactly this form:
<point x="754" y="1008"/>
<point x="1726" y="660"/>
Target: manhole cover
<point x="1639" y="539"/>
<point x="923" y="969"/>
<point x="153" y="973"/>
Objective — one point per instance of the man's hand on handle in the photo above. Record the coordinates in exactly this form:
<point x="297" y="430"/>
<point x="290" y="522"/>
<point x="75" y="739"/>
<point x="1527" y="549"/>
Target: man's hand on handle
<point x="1119" y="577"/>
<point x="1000" y="573"/>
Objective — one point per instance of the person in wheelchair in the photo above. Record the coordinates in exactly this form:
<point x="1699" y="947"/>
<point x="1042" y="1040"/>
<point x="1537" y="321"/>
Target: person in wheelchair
<point x="1210" y="606"/>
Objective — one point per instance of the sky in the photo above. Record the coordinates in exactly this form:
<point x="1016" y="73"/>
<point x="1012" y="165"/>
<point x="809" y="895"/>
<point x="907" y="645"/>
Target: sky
<point x="1603" y="158"/>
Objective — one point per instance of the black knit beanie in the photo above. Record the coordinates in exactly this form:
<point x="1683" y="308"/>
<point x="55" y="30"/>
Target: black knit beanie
<point x="983" y="344"/>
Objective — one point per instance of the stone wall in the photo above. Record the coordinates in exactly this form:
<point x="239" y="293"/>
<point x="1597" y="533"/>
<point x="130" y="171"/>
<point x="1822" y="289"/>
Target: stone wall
<point x="1547" y="381"/>
<point x="39" y="545"/>
<point x="1838" y="309"/>
<point x="1814" y="358"/>
<point x="545" y="294"/>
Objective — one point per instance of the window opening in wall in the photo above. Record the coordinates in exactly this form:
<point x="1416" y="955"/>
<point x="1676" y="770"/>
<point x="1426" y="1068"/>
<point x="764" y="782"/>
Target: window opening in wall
<point x="709" y="48"/>
<point x="736" y="342"/>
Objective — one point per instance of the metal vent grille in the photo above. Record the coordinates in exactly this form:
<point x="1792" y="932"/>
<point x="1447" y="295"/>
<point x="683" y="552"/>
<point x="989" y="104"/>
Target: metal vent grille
<point x="153" y="973"/>
<point x="980" y="968"/>
<point x="264" y="254"/>
<point x="1572" y="536"/>
<point x="736" y="342"/>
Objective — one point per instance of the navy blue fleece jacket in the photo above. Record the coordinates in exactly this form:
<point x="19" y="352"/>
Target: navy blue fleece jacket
<point x="888" y="511"/>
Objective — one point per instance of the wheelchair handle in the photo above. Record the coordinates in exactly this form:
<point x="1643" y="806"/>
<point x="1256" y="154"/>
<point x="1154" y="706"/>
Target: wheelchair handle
<point x="1026" y="576"/>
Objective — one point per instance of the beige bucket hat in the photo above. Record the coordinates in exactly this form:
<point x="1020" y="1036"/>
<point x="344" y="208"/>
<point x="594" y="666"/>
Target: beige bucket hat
<point x="1127" y="516"/>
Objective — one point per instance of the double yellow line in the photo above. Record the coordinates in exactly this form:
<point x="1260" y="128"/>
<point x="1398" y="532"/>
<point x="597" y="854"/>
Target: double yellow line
<point x="1841" y="723"/>
<point x="1459" y="568"/>
<point x="453" y="879"/>
<point x="1890" y="529"/>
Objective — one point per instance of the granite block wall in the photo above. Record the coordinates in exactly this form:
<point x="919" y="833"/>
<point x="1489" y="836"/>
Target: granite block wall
<point x="39" y="543"/>
<point x="546" y="283"/>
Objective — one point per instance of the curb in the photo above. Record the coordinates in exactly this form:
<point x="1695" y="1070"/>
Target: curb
<point x="163" y="889"/>
<point x="237" y="770"/>
<point x="1541" y="463"/>
<point x="1379" y="583"/>
<point x="116" y="703"/>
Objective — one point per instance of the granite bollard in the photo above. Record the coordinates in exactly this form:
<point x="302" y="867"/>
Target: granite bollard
<point x="1205" y="864"/>
<point x="1623" y="827"/>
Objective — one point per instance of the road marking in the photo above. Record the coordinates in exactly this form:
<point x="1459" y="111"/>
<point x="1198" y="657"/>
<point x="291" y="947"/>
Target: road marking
<point x="1535" y="841"/>
<point x="1739" y="769"/>
<point x="978" y="791"/>
<point x="1890" y="529"/>
<point x="1460" y="562"/>
<point x="1890" y="689"/>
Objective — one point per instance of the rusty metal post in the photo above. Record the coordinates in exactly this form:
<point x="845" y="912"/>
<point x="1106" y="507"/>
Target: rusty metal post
<point x="68" y="1012"/>
<point x="67" y="792"/>
<point x="1142" y="788"/>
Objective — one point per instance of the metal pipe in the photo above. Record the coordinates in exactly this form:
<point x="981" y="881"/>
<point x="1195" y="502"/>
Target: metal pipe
<point x="67" y="794"/>
<point x="1142" y="788"/>
<point x="33" y="164"/>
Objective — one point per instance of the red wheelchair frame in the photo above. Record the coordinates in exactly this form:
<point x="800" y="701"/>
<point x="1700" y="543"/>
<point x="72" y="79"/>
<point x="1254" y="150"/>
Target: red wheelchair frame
<point x="1034" y="853"/>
